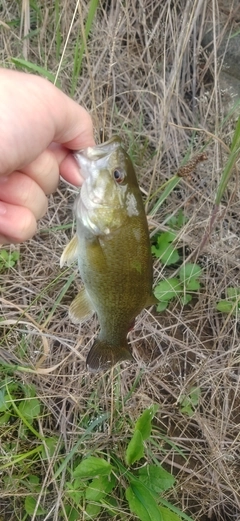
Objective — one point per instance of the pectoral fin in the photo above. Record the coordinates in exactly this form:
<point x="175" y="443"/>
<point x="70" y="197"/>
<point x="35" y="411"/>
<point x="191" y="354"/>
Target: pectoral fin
<point x="103" y="355"/>
<point x="81" y="308"/>
<point x="70" y="252"/>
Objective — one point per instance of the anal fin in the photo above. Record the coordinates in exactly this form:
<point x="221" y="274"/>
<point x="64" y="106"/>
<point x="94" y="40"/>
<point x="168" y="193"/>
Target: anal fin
<point x="81" y="308"/>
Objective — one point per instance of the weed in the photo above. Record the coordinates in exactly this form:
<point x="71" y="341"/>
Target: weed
<point x="189" y="401"/>
<point x="187" y="280"/>
<point x="93" y="480"/>
<point x="8" y="259"/>
<point x="231" y="304"/>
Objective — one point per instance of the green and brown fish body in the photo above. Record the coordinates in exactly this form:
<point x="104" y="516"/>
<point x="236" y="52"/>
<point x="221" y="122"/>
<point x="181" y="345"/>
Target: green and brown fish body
<point x="113" y="251"/>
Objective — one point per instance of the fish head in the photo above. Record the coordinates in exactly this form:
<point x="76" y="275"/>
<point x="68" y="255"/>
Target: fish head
<point x="107" y="197"/>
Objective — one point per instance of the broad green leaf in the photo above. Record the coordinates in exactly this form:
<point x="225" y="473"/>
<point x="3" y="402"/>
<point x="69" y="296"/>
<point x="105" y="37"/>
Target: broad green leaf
<point x="177" y="221"/>
<point x="162" y="305"/>
<point x="142" y="503"/>
<point x="72" y="513"/>
<point x="49" y="446"/>
<point x="168" y="515"/>
<point x="75" y="490"/>
<point x="30" y="505"/>
<point x="187" y="409"/>
<point x="78" y="484"/>
<point x="225" y="306"/>
<point x="192" y="285"/>
<point x="144" y="422"/>
<point x="189" y="271"/>
<point x="111" y="505"/>
<point x="4" y="417"/>
<point x="166" y="238"/>
<point x="30" y="409"/>
<point x="29" y="390"/>
<point x="4" y="255"/>
<point x="164" y="249"/>
<point x="15" y="255"/>
<point x="91" y="467"/>
<point x="185" y="299"/>
<point x="195" y="394"/>
<point x="75" y="495"/>
<point x="99" y="487"/>
<point x="135" y="448"/>
<point x="233" y="292"/>
<point x="168" y="289"/>
<point x="92" y="510"/>
<point x="170" y="256"/>
<point x="33" y="479"/>
<point x="190" y="401"/>
<point x="156" y="478"/>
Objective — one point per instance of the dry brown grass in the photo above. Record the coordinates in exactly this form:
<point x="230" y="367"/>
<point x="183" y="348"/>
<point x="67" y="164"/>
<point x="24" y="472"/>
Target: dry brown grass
<point x="146" y="78"/>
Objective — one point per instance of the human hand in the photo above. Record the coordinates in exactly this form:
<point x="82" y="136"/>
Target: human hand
<point x="39" y="126"/>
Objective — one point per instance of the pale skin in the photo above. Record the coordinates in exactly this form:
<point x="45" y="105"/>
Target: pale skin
<point x="39" y="128"/>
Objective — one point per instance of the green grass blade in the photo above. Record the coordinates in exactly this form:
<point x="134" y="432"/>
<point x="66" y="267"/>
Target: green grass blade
<point x="58" y="29"/>
<point x="174" y="509"/>
<point x="32" y="67"/>
<point x="80" y="48"/>
<point x="233" y="157"/>
<point x="59" y="298"/>
<point x="20" y="457"/>
<point x="169" y="187"/>
<point x="99" y="421"/>
<point x="236" y="137"/>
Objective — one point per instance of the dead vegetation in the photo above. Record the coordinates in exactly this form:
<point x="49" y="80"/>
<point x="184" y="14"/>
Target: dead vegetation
<point x="146" y="77"/>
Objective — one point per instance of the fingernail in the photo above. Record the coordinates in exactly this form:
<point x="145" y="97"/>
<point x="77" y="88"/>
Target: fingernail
<point x="3" y="208"/>
<point x="3" y="179"/>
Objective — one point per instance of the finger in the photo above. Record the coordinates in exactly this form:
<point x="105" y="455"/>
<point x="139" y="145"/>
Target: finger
<point x="68" y="167"/>
<point x="42" y="114"/>
<point x="46" y="168"/>
<point x="71" y="171"/>
<point x="17" y="224"/>
<point x="20" y="190"/>
<point x="44" y="171"/>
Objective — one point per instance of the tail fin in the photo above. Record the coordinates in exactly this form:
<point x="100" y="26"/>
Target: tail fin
<point x="103" y="355"/>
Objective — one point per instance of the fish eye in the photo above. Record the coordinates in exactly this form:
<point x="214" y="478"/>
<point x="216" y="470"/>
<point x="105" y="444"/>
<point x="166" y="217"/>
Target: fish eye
<point x="118" y="175"/>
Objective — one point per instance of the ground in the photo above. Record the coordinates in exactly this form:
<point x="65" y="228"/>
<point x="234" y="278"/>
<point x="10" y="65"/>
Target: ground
<point x="144" y="75"/>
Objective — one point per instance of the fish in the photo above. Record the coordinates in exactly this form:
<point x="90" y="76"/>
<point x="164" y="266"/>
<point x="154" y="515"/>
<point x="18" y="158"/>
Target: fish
<point x="112" y="246"/>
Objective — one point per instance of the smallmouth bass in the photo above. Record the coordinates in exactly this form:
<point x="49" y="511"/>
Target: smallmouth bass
<point x="112" y="246"/>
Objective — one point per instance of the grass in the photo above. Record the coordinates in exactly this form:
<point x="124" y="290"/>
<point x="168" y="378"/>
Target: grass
<point x="143" y="75"/>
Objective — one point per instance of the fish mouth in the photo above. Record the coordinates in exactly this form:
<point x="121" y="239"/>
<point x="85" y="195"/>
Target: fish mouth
<point x="100" y="151"/>
<point x="90" y="158"/>
<point x="94" y="164"/>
